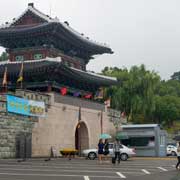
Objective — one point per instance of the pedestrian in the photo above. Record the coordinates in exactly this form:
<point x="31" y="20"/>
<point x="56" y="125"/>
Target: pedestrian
<point x="106" y="148"/>
<point x="116" y="150"/>
<point x="100" y="150"/>
<point x="178" y="156"/>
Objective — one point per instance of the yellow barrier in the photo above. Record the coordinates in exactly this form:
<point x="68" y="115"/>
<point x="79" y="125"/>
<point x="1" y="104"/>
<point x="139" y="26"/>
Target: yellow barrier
<point x="68" y="152"/>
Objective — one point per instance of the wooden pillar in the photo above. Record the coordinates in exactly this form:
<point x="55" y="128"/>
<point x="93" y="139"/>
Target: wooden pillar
<point x="79" y="115"/>
<point x="49" y="88"/>
<point x="5" y="89"/>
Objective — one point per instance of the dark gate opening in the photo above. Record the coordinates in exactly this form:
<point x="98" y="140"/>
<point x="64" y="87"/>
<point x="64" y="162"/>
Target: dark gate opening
<point x="81" y="137"/>
<point x="24" y="145"/>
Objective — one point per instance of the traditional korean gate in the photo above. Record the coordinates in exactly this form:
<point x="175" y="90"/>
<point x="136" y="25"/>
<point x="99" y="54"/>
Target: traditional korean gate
<point x="24" y="145"/>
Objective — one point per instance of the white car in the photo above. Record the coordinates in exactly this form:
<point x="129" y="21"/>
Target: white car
<point x="125" y="152"/>
<point x="171" y="150"/>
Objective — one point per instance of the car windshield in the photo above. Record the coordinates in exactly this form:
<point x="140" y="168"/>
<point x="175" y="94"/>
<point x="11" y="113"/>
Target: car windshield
<point x="171" y="144"/>
<point x="111" y="146"/>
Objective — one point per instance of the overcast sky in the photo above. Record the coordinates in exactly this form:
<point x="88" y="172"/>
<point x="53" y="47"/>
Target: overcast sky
<point x="139" y="31"/>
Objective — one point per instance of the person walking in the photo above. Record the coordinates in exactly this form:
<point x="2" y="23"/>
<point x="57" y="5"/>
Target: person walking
<point x="116" y="150"/>
<point x="106" y="148"/>
<point x="178" y="156"/>
<point x="100" y="150"/>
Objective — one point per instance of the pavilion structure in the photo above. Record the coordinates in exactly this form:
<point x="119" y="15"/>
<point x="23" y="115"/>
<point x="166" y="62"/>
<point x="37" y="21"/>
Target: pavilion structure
<point x="52" y="59"/>
<point x="53" y="53"/>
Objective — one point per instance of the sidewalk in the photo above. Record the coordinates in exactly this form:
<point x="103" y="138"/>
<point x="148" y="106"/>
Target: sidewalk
<point x="130" y="159"/>
<point x="154" y="158"/>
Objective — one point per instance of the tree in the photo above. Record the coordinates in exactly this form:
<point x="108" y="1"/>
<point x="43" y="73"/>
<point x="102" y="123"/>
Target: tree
<point x="134" y="92"/>
<point x="143" y="96"/>
<point x="170" y="87"/>
<point x="4" y="56"/>
<point x="167" y="110"/>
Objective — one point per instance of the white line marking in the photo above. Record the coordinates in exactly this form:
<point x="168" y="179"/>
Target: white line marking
<point x="161" y="168"/>
<point x="86" y="178"/>
<point x="54" y="175"/>
<point x="120" y="174"/>
<point x="49" y="175"/>
<point x="60" y="166"/>
<point x="145" y="171"/>
<point x="62" y="170"/>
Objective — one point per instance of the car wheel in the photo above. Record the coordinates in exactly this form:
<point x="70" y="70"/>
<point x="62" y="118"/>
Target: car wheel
<point x="92" y="155"/>
<point x="124" y="157"/>
<point x="173" y="153"/>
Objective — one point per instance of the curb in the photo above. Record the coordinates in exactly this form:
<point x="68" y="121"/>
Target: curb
<point x="153" y="158"/>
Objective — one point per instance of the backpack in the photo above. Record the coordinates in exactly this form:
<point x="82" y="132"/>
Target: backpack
<point x="106" y="149"/>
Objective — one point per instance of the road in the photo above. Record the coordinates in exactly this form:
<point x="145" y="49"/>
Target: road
<point x="82" y="169"/>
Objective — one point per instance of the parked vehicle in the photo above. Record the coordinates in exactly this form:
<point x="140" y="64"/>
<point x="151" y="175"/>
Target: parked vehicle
<point x="171" y="150"/>
<point x="125" y="152"/>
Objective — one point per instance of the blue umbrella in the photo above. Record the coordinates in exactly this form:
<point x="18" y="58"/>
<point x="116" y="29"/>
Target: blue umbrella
<point x="104" y="136"/>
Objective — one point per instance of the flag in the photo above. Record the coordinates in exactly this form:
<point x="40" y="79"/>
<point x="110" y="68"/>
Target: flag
<point x="63" y="91"/>
<point x="4" y="83"/>
<point x="88" y="96"/>
<point x="99" y="94"/>
<point x="108" y="102"/>
<point x="76" y="94"/>
<point x="20" y="78"/>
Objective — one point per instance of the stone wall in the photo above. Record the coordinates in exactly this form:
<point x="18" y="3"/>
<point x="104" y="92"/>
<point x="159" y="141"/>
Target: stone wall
<point x="58" y="128"/>
<point x="11" y="126"/>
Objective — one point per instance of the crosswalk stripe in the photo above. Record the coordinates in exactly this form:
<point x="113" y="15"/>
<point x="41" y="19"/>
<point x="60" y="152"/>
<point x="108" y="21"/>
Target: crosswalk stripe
<point x="120" y="174"/>
<point x="163" y="169"/>
<point x="86" y="178"/>
<point x="145" y="171"/>
<point x="63" y="170"/>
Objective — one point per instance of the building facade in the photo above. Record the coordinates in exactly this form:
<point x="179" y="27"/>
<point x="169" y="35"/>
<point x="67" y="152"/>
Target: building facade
<point x="147" y="139"/>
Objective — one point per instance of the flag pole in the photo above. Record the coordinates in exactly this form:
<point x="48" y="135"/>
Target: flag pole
<point x="4" y="83"/>
<point x="21" y="85"/>
<point x="22" y="74"/>
<point x="5" y="88"/>
<point x="20" y="78"/>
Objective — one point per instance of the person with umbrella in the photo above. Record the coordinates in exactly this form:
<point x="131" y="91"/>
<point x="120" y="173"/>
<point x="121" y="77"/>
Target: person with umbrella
<point x="101" y="145"/>
<point x="100" y="150"/>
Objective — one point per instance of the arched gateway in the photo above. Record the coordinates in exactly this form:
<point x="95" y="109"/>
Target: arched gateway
<point x="81" y="137"/>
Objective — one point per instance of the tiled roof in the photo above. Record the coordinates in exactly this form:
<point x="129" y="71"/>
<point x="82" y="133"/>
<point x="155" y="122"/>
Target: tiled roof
<point x="49" y="20"/>
<point x="55" y="64"/>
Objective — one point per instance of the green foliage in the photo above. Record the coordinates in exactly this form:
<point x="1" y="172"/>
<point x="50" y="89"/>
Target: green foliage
<point x="175" y="128"/>
<point x="4" y="56"/>
<point x="143" y="96"/>
<point x="167" y="109"/>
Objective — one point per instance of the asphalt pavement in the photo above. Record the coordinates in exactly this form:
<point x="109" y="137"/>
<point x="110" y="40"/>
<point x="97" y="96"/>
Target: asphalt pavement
<point x="83" y="169"/>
